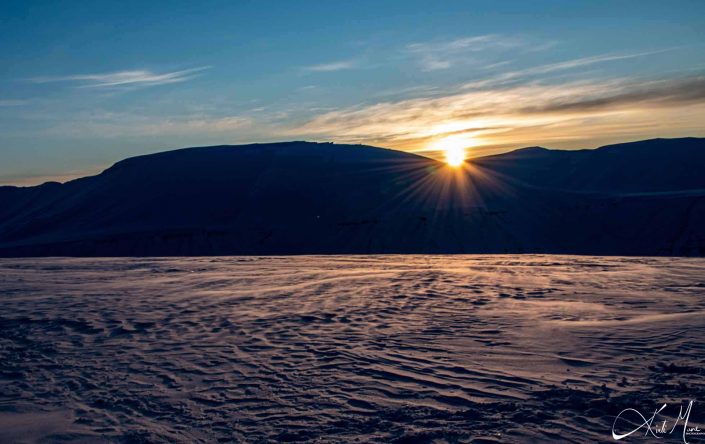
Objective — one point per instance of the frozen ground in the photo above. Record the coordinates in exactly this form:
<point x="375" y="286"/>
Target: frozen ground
<point x="336" y="349"/>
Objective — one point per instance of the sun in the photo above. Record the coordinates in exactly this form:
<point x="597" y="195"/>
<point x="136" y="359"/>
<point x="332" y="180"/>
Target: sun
<point x="455" y="155"/>
<point x="454" y="148"/>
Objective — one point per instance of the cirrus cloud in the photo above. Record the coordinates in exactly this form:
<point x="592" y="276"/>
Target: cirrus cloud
<point x="332" y="66"/>
<point x="135" y="78"/>
<point x="498" y="118"/>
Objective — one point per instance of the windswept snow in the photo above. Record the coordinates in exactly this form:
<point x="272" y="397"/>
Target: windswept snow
<point x="338" y="348"/>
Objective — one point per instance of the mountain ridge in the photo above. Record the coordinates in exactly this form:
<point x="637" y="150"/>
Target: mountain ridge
<point x="308" y="198"/>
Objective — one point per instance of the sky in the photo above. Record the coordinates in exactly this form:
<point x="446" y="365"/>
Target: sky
<point x="85" y="84"/>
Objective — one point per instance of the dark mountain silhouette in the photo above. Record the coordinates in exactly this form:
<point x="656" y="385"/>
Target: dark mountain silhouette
<point x="645" y="166"/>
<point x="641" y="198"/>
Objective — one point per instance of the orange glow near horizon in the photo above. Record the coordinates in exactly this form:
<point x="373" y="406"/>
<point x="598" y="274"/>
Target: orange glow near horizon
<point x="455" y="148"/>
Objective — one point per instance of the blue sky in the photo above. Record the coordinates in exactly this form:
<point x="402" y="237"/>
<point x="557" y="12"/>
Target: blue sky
<point x="85" y="84"/>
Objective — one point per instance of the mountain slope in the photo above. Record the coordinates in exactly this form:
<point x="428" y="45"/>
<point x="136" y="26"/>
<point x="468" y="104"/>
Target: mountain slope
<point x="299" y="197"/>
<point x="646" y="166"/>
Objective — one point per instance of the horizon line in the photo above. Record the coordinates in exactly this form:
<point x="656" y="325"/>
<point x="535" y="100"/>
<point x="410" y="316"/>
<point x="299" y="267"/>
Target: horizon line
<point x="92" y="172"/>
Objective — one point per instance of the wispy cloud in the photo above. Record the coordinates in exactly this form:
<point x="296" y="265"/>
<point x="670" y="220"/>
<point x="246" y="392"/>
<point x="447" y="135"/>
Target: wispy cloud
<point x="438" y="55"/>
<point x="332" y="66"/>
<point x="585" y="61"/>
<point x="500" y="118"/>
<point x="135" y="78"/>
<point x="660" y="93"/>
<point x="550" y="68"/>
<point x="475" y="43"/>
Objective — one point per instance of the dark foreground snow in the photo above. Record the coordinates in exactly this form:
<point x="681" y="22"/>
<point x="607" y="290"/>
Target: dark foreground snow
<point x="338" y="349"/>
